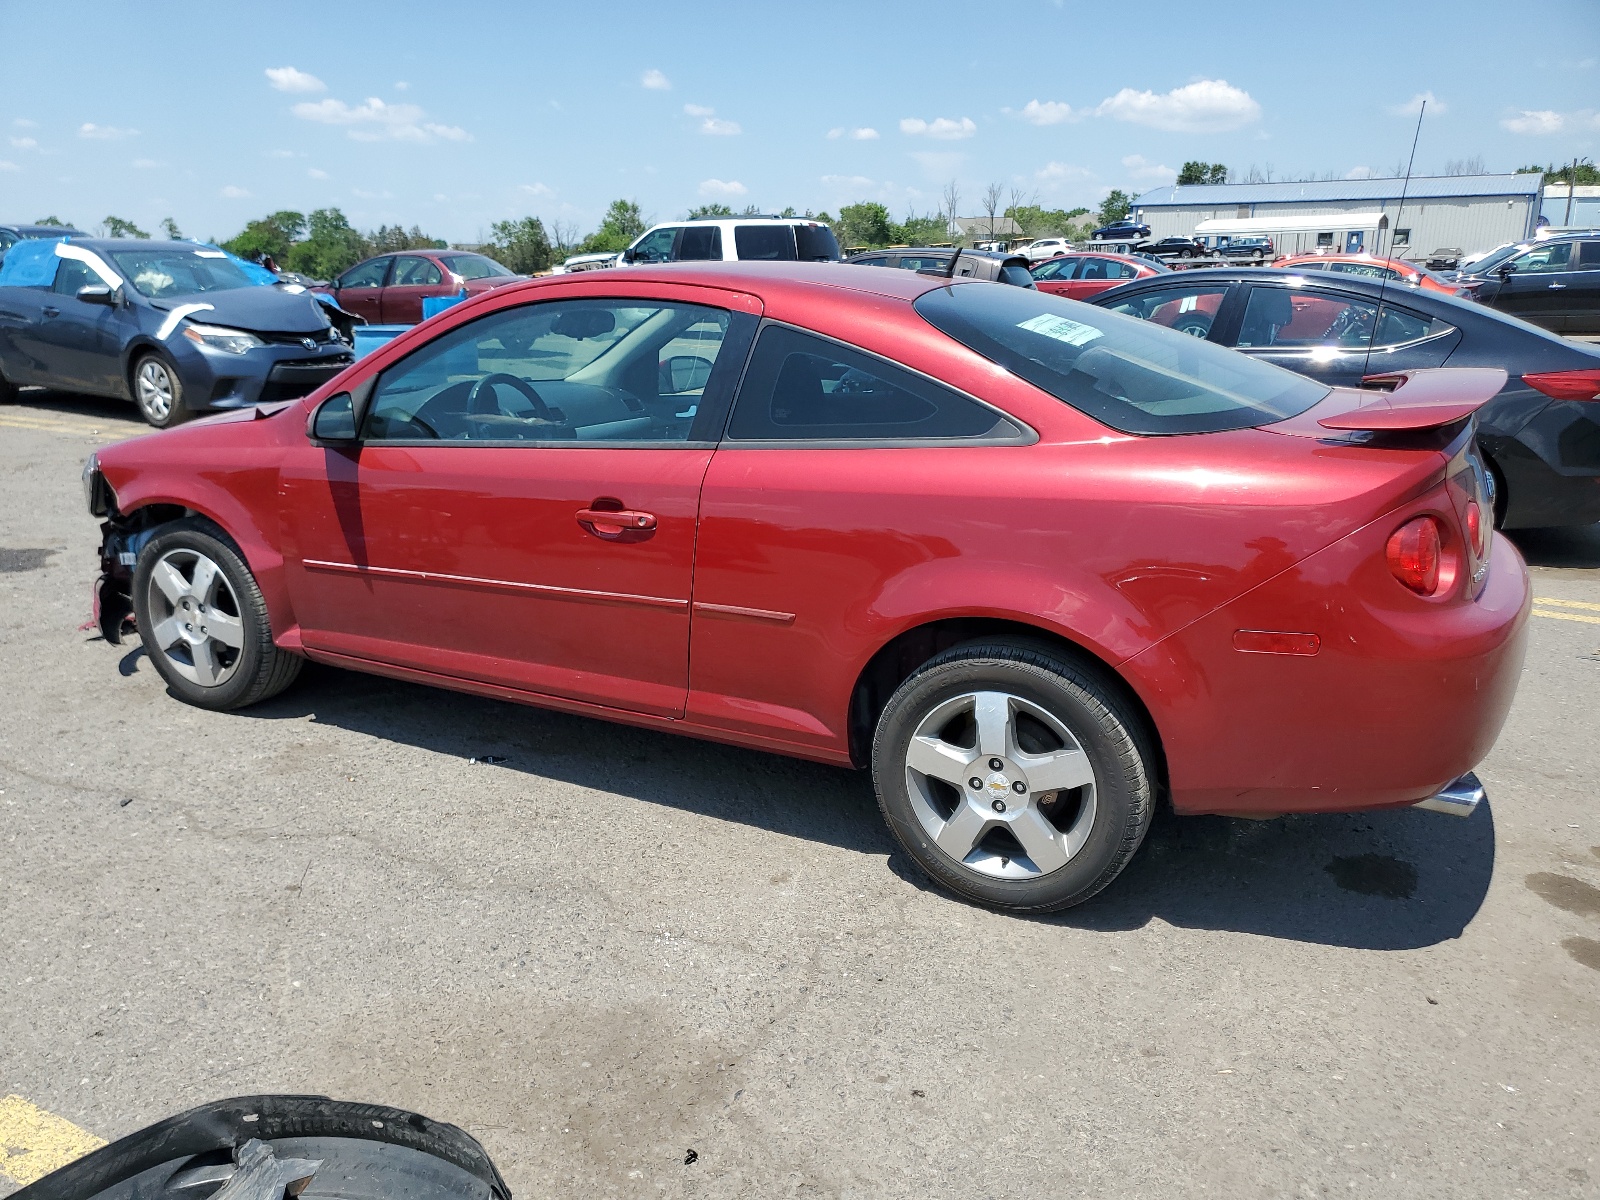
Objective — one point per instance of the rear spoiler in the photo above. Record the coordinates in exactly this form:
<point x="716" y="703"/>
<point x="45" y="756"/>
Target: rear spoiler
<point x="1422" y="399"/>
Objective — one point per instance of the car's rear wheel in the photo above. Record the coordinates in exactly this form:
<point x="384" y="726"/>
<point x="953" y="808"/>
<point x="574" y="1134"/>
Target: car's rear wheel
<point x="158" y="392"/>
<point x="203" y="620"/>
<point x="1013" y="776"/>
<point x="1195" y="325"/>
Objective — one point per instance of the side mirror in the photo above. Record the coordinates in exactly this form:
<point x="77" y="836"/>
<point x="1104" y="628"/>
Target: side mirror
<point x="1506" y="269"/>
<point x="334" y="420"/>
<point x="97" y="293"/>
<point x="629" y="255"/>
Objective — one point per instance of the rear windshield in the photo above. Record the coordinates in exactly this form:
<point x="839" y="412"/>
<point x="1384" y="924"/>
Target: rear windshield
<point x="474" y="266"/>
<point x="1123" y="372"/>
<point x="162" y="273"/>
<point x="769" y="242"/>
<point x="816" y="243"/>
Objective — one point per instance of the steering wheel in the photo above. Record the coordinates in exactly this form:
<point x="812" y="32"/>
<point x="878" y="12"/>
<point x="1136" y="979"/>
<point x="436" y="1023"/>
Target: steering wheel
<point x="481" y="400"/>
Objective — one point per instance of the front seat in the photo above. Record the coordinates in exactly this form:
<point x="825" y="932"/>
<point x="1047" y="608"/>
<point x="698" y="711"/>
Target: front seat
<point x="1269" y="311"/>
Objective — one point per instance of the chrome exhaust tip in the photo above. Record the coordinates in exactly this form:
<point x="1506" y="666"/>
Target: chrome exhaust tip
<point x="1459" y="798"/>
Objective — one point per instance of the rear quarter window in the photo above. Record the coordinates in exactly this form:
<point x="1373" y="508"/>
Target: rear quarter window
<point x="1125" y="373"/>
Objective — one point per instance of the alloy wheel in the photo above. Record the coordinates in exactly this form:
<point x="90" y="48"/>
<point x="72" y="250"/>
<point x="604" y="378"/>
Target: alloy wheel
<point x="197" y="626"/>
<point x="154" y="384"/>
<point x="1001" y="785"/>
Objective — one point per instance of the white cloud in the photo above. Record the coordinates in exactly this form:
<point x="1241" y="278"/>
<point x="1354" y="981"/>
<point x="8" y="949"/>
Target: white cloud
<point x="1047" y="112"/>
<point x="942" y="128"/>
<point x="1140" y="170"/>
<point x="1537" y="123"/>
<point x="1436" y="106"/>
<point x="402" y="86"/>
<point x="8" y="166"/>
<point x="710" y="188"/>
<point x="1360" y="173"/>
<point x="104" y="132"/>
<point x="144" y="164"/>
<point x="289" y="79"/>
<point x="854" y="182"/>
<point x="280" y="154"/>
<point x="865" y="134"/>
<point x="698" y="110"/>
<point x="25" y="143"/>
<point x="719" y="128"/>
<point x="939" y="164"/>
<point x="536" y="189"/>
<point x="835" y="133"/>
<point x="1057" y="171"/>
<point x="655" y="81"/>
<point x="372" y="121"/>
<point x="1205" y="106"/>
<point x="316" y="173"/>
<point x="233" y="193"/>
<point x="24" y="123"/>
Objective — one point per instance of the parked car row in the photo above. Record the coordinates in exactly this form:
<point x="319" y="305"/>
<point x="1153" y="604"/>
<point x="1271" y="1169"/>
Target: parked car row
<point x="1036" y="565"/>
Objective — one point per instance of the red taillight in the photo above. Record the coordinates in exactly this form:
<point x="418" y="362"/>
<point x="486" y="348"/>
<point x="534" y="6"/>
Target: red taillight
<point x="1475" y="528"/>
<point x="1566" y="385"/>
<point x="1414" y="555"/>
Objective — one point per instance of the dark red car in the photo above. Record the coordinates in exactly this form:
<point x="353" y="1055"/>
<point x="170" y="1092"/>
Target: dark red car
<point x="389" y="289"/>
<point x="1036" y="564"/>
<point x="1081" y="275"/>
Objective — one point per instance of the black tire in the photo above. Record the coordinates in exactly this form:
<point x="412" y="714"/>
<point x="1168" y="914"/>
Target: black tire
<point x="8" y="390"/>
<point x="1195" y="325"/>
<point x="1108" y="819"/>
<point x="247" y="674"/>
<point x="158" y="391"/>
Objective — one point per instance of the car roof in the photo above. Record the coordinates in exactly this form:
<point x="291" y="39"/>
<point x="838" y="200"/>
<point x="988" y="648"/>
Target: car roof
<point x="44" y="230"/>
<point x="140" y="244"/>
<point x="776" y="277"/>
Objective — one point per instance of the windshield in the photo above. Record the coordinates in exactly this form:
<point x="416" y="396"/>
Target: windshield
<point x="159" y="274"/>
<point x="474" y="266"/>
<point x="1121" y="371"/>
<point x="1494" y="258"/>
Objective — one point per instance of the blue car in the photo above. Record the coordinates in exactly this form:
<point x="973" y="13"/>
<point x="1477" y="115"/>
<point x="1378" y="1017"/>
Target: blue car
<point x="176" y="327"/>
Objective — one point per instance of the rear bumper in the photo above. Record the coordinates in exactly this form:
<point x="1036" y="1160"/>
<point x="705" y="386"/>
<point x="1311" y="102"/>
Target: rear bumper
<point x="1402" y="698"/>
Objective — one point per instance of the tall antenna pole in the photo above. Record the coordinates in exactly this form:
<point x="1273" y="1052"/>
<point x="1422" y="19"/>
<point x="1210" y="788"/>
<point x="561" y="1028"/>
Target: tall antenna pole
<point x="1383" y="280"/>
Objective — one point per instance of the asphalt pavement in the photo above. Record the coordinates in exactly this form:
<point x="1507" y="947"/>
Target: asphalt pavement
<point x="637" y="965"/>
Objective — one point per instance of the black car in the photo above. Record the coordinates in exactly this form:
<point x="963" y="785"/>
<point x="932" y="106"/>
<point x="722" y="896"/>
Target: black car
<point x="1125" y="230"/>
<point x="1257" y="249"/>
<point x="10" y="235"/>
<point x="1176" y="247"/>
<point x="1554" y="283"/>
<point x="980" y="264"/>
<point x="1445" y="258"/>
<point x="1541" y="434"/>
<point x="177" y="327"/>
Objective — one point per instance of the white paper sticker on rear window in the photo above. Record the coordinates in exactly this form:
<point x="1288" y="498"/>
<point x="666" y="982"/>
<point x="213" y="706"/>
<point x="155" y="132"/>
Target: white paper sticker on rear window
<point x="1072" y="333"/>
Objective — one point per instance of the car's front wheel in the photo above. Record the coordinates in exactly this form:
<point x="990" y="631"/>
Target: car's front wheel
<point x="1013" y="776"/>
<point x="203" y="620"/>
<point x="158" y="392"/>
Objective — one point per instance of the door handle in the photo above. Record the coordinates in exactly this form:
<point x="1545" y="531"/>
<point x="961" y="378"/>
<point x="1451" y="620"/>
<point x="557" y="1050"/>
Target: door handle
<point x="1554" y="286"/>
<point x="611" y="522"/>
<point x="51" y="312"/>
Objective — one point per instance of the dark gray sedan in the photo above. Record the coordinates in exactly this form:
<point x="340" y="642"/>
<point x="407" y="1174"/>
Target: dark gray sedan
<point x="176" y="327"/>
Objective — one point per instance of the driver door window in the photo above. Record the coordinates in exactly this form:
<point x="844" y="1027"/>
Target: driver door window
<point x="656" y="246"/>
<point x="365" y="275"/>
<point x="565" y="372"/>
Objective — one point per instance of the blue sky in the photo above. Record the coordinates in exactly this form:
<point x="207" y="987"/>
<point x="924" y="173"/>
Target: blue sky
<point x="455" y="116"/>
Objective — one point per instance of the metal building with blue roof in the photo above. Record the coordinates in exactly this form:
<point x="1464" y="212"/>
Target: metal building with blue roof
<point x="1470" y="212"/>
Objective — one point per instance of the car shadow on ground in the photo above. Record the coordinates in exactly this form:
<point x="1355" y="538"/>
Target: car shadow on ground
<point x="1380" y="881"/>
<point x="105" y="408"/>
<point x="1574" y="547"/>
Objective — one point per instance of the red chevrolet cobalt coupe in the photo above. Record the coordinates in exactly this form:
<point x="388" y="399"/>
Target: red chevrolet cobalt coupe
<point x="1036" y="564"/>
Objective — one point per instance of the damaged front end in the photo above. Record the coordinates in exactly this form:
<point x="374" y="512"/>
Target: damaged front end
<point x="121" y="539"/>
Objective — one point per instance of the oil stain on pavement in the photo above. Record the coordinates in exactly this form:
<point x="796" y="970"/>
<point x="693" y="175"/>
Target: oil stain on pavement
<point x="1584" y="951"/>
<point x="13" y="562"/>
<point x="1565" y="892"/>
<point x="1374" y="875"/>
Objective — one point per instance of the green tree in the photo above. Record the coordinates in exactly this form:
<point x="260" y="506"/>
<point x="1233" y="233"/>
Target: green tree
<point x="1035" y="221"/>
<point x="523" y="245"/>
<point x="331" y="246"/>
<point x="272" y="235"/>
<point x="710" y="210"/>
<point x="170" y="228"/>
<point x="386" y="238"/>
<point x="1203" y="172"/>
<point x="118" y="228"/>
<point x="1584" y="173"/>
<point x="60" y="224"/>
<point x="866" y="223"/>
<point x="623" y="222"/>
<point x="921" y="231"/>
<point x="1115" y="206"/>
